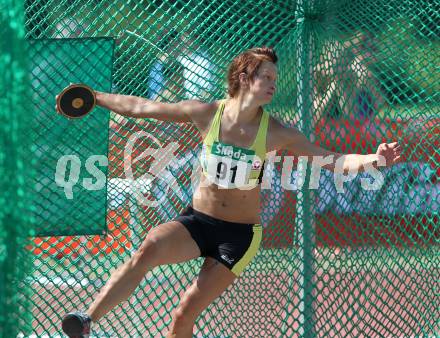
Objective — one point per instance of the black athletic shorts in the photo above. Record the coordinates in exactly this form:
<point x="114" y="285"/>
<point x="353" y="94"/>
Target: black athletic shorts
<point x="232" y="244"/>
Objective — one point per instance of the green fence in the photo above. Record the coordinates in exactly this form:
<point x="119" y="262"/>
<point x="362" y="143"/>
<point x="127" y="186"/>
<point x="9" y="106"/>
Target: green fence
<point x="16" y="174"/>
<point x="345" y="259"/>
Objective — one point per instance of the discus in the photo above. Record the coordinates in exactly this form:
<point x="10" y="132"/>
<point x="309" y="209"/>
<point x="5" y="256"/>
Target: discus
<point x="76" y="101"/>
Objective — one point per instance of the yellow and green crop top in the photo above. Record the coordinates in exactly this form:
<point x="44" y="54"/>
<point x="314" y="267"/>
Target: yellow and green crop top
<point x="230" y="166"/>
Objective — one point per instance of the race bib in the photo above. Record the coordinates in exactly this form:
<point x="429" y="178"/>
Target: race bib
<point x="230" y="166"/>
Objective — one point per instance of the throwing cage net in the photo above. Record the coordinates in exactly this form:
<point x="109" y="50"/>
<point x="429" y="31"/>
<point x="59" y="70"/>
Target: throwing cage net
<point x="347" y="256"/>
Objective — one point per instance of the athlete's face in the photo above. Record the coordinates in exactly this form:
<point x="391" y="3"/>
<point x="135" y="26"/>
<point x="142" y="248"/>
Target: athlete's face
<point x="263" y="85"/>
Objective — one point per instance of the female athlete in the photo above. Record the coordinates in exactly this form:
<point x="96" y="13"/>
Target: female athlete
<point x="223" y="223"/>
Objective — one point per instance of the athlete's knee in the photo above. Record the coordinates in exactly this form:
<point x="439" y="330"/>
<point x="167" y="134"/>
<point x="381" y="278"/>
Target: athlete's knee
<point x="182" y="321"/>
<point x="148" y="254"/>
<point x="184" y="315"/>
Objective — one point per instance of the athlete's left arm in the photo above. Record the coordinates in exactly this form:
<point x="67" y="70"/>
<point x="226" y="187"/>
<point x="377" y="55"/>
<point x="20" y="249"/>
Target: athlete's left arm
<point x="387" y="154"/>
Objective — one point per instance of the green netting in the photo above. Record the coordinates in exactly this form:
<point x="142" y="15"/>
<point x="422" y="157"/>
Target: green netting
<point x="71" y="155"/>
<point x="16" y="171"/>
<point x="336" y="260"/>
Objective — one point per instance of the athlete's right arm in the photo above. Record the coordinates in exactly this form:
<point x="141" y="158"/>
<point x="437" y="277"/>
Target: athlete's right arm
<point x="138" y="107"/>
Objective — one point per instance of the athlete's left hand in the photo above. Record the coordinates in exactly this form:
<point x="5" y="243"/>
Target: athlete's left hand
<point x="392" y="152"/>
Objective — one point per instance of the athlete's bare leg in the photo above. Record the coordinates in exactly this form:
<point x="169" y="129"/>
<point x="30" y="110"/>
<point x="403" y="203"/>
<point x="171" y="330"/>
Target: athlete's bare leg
<point x="166" y="244"/>
<point x="213" y="279"/>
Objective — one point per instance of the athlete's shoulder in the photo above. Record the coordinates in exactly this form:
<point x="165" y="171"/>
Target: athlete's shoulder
<point x="203" y="112"/>
<point x="278" y="128"/>
<point x="278" y="134"/>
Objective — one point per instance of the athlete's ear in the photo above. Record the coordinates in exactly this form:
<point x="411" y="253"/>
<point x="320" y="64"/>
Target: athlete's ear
<point x="244" y="80"/>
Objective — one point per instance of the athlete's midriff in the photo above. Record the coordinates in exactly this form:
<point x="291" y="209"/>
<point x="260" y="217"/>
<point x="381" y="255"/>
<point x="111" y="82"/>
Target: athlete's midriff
<point x="233" y="205"/>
